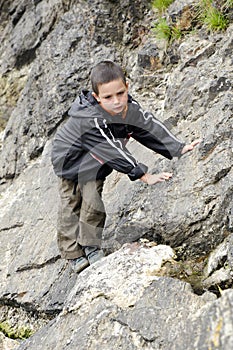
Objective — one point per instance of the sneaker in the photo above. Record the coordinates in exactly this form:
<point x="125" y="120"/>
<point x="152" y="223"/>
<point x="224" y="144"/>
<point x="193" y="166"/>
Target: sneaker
<point x="79" y="264"/>
<point x="93" y="254"/>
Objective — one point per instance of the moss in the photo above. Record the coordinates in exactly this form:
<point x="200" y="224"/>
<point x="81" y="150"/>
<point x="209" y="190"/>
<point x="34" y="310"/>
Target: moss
<point x="190" y="271"/>
<point x="15" y="333"/>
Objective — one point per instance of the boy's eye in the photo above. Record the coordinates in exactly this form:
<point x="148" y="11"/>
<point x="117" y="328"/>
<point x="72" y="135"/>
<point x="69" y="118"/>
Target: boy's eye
<point x="108" y="97"/>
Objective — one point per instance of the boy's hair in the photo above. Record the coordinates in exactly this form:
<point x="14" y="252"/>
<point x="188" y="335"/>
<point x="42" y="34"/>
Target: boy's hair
<point x="105" y="72"/>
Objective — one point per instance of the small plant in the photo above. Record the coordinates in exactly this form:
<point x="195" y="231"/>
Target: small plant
<point x="11" y="332"/>
<point x="210" y="13"/>
<point x="176" y="33"/>
<point x="161" y="5"/>
<point x="211" y="16"/>
<point x="215" y="20"/>
<point x="163" y="31"/>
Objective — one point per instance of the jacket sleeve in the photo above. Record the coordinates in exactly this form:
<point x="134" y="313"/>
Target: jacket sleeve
<point x="103" y="147"/>
<point x="153" y="134"/>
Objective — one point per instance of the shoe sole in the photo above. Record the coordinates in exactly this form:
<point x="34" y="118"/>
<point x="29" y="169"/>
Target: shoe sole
<point x="81" y="267"/>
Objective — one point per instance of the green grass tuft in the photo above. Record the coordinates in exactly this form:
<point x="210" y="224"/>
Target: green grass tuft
<point x="211" y="16"/>
<point x="162" y="30"/>
<point x="161" y="5"/>
<point x="215" y="20"/>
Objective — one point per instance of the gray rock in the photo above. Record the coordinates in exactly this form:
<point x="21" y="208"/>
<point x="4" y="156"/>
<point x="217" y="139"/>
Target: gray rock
<point x="135" y="309"/>
<point x="193" y="210"/>
<point x="149" y="57"/>
<point x="121" y="302"/>
<point x="29" y="271"/>
<point x="8" y="344"/>
<point x="219" y="268"/>
<point x="183" y="13"/>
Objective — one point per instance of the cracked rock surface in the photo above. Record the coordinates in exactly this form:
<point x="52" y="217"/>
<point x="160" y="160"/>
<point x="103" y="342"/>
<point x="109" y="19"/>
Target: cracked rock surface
<point x="129" y="307"/>
<point x="125" y="301"/>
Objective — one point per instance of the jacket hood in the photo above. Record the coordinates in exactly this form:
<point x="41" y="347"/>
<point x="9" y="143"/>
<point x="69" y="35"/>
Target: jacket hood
<point x="84" y="101"/>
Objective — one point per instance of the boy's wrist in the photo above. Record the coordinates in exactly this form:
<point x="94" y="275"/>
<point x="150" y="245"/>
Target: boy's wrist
<point x="144" y="178"/>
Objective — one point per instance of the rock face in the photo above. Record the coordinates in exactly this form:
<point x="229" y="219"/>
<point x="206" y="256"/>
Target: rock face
<point x="124" y="301"/>
<point x="129" y="307"/>
<point x="7" y="344"/>
<point x="194" y="210"/>
<point x="58" y="47"/>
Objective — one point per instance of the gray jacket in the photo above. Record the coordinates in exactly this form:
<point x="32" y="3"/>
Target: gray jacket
<point x="92" y="142"/>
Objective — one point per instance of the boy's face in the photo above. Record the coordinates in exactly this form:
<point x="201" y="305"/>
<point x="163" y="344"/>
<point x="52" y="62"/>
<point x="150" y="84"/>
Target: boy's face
<point x="113" y="96"/>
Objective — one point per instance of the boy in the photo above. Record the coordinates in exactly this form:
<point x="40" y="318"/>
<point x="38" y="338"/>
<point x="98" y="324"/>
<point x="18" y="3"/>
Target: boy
<point x="89" y="146"/>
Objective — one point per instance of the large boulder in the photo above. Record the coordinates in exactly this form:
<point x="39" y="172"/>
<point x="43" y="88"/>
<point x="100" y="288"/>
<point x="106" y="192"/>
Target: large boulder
<point x="130" y="307"/>
<point x="189" y="216"/>
<point x="31" y="268"/>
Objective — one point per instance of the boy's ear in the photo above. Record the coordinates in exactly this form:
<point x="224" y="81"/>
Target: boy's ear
<point x="95" y="96"/>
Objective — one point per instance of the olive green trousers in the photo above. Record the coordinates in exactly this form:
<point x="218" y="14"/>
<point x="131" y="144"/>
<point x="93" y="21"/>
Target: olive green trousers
<point x="81" y="217"/>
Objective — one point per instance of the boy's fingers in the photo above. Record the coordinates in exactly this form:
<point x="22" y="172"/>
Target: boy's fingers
<point x="196" y="142"/>
<point x="167" y="175"/>
<point x="190" y="147"/>
<point x="152" y="179"/>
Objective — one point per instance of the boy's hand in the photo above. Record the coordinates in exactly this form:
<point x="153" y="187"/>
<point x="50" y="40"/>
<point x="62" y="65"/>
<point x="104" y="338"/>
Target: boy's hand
<point x="151" y="179"/>
<point x="188" y="148"/>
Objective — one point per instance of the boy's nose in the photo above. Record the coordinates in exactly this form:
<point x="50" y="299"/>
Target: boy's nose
<point x="116" y="99"/>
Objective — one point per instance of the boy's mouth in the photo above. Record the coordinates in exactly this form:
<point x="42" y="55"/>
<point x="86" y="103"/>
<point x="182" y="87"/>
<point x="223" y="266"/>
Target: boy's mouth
<point x="118" y="109"/>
